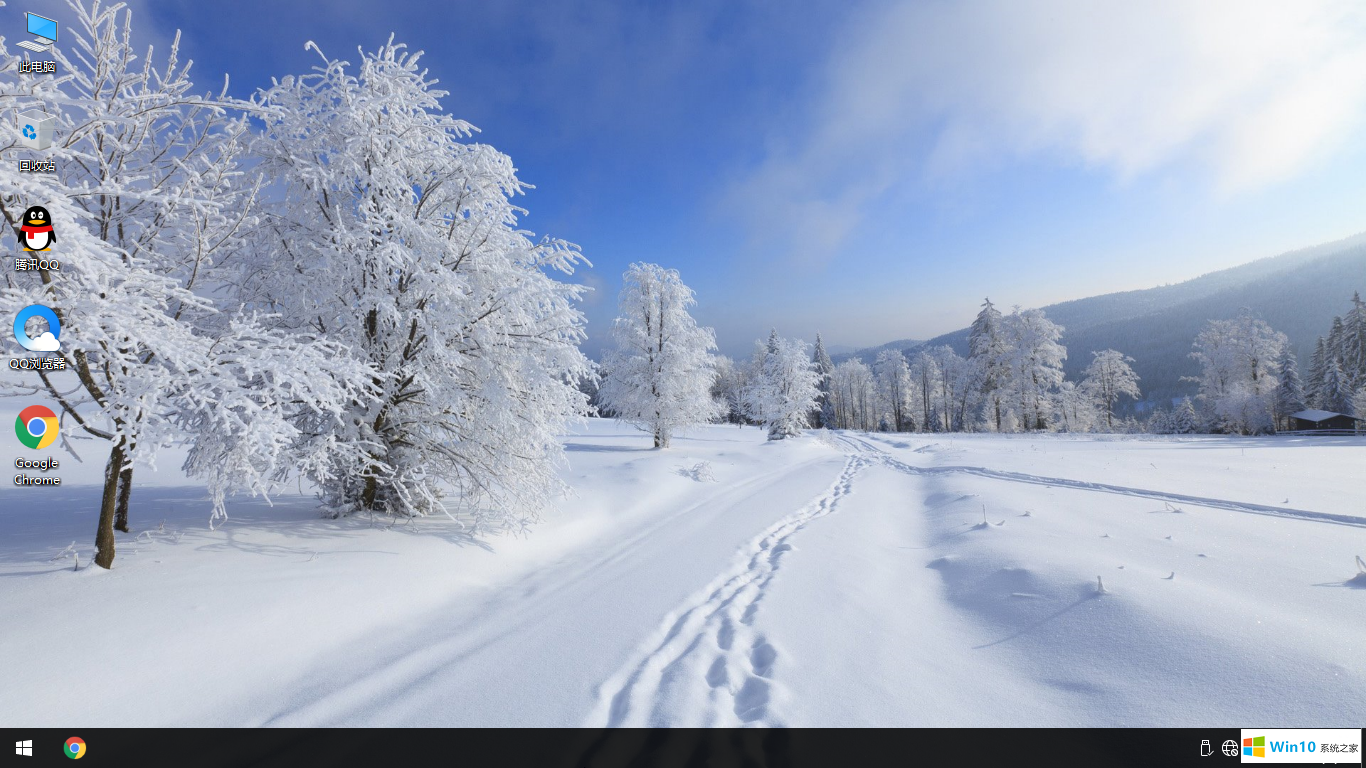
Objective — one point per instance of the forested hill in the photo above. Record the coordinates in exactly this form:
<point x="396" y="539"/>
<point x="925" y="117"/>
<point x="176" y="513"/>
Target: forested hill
<point x="869" y="354"/>
<point x="1297" y="293"/>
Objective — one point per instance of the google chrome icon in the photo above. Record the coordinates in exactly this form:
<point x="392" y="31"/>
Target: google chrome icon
<point x="36" y="428"/>
<point x="75" y="747"/>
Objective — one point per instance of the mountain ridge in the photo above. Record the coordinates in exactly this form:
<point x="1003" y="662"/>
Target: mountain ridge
<point x="1297" y="292"/>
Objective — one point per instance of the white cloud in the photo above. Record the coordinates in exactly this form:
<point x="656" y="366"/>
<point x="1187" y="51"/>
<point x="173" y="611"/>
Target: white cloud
<point x="1244" y="93"/>
<point x="45" y="342"/>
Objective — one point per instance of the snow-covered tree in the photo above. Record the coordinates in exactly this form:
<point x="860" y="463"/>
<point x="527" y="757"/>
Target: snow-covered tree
<point x="1079" y="410"/>
<point x="893" y="388"/>
<point x="824" y="415"/>
<point x="728" y="388"/>
<point x="854" y="391"/>
<point x="1359" y="404"/>
<point x="1159" y="422"/>
<point x="988" y="350"/>
<point x="150" y="202"/>
<point x="1035" y="364"/>
<point x="397" y="237"/>
<point x="1318" y="371"/>
<point x="784" y="386"/>
<point x="1290" y="391"/>
<point x="1353" y="344"/>
<point x="1184" y="419"/>
<point x="661" y="372"/>
<point x="925" y="376"/>
<point x="1107" y="378"/>
<point x="1336" y="392"/>
<point x="1238" y="371"/>
<point x="953" y="388"/>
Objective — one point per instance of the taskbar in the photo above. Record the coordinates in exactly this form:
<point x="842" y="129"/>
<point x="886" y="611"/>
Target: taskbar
<point x="642" y="748"/>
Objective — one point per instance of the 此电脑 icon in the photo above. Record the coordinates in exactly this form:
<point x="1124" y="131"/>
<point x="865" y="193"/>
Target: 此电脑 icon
<point x="44" y="31"/>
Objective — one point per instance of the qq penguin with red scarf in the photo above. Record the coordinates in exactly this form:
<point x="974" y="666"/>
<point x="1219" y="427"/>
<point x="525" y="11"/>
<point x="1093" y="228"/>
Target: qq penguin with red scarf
<point x="36" y="233"/>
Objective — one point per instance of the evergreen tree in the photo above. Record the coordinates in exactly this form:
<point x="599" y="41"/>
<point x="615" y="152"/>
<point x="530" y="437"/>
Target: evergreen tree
<point x="824" y="415"/>
<point x="1337" y="392"/>
<point x="1184" y="420"/>
<point x="1354" y="343"/>
<point x="1160" y="422"/>
<point x="783" y="388"/>
<point x="1318" y="372"/>
<point x="1290" y="394"/>
<point x="987" y="349"/>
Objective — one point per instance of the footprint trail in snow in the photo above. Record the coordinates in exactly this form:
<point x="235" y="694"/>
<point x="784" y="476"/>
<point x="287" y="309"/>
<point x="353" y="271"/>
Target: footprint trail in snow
<point x="708" y="665"/>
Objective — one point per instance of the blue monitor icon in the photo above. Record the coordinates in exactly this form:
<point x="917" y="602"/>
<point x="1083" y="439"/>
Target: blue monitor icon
<point x="43" y="28"/>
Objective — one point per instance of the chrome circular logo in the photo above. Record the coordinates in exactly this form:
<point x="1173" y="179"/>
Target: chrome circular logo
<point x="75" y="748"/>
<point x="36" y="428"/>
<point x="46" y="342"/>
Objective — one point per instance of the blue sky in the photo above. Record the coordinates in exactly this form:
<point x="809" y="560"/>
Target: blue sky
<point x="872" y="170"/>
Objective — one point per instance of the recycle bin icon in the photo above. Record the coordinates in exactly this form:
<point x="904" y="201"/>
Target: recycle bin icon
<point x="35" y="129"/>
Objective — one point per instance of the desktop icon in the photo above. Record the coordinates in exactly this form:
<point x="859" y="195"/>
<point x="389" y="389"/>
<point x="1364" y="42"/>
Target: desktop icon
<point x="46" y="341"/>
<point x="75" y="748"/>
<point x="35" y="129"/>
<point x="36" y="232"/>
<point x="44" y="31"/>
<point x="37" y="428"/>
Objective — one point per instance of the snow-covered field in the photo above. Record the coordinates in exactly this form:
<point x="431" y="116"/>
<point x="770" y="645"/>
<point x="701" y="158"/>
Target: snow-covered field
<point x="836" y="579"/>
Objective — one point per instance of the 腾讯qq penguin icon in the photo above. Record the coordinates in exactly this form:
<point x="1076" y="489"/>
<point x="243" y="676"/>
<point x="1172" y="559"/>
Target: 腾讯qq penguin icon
<point x="36" y="232"/>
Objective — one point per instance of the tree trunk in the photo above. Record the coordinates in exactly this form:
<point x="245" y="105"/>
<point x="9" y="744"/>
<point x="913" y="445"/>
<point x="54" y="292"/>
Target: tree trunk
<point x="661" y="439"/>
<point x="125" y="490"/>
<point x="104" y="534"/>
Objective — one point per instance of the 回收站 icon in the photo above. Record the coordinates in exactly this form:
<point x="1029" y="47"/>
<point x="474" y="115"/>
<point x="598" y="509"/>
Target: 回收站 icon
<point x="35" y="129"/>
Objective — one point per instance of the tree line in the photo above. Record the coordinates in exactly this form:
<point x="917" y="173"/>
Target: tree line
<point x="1012" y="380"/>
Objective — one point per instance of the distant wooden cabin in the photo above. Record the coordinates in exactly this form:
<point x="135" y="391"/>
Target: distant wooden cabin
<point x="1315" y="420"/>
